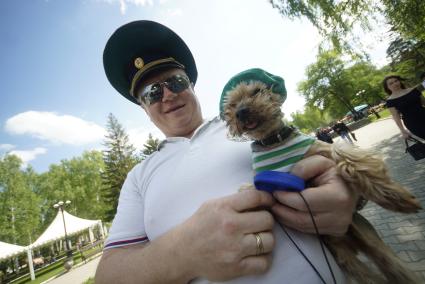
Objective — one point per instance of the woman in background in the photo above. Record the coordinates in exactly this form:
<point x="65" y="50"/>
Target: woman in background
<point x="407" y="105"/>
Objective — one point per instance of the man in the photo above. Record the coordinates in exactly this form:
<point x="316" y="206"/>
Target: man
<point x="323" y="135"/>
<point x="180" y="216"/>
<point x="342" y="129"/>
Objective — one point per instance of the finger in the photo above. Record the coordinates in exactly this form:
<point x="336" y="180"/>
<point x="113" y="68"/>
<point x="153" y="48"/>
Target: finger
<point x="326" y="223"/>
<point x="312" y="166"/>
<point x="320" y="199"/>
<point x="255" y="221"/>
<point x="250" y="199"/>
<point x="250" y="247"/>
<point x="253" y="265"/>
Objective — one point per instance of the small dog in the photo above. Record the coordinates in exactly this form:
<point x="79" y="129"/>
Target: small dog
<point x="251" y="106"/>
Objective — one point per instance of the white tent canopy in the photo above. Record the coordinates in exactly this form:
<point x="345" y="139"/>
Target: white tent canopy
<point x="9" y="250"/>
<point x="56" y="231"/>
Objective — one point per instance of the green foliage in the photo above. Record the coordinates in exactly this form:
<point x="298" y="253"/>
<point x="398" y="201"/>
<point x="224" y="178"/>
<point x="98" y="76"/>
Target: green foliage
<point x="310" y="119"/>
<point x="150" y="146"/>
<point x="19" y="209"/>
<point x="119" y="159"/>
<point x="77" y="180"/>
<point x="406" y="17"/>
<point x="333" y="19"/>
<point x="335" y="84"/>
<point x="407" y="57"/>
<point x="327" y="86"/>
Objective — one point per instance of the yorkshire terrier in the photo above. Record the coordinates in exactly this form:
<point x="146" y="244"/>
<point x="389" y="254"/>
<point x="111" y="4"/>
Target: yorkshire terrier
<point x="251" y="106"/>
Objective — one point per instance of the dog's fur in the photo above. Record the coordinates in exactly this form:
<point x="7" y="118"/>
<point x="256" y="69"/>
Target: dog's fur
<point x="362" y="171"/>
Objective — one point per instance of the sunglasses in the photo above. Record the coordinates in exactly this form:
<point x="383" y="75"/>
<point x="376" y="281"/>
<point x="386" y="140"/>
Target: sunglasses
<point x="154" y="93"/>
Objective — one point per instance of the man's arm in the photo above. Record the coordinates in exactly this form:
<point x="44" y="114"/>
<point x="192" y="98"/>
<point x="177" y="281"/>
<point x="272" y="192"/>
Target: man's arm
<point x="151" y="262"/>
<point x="216" y="243"/>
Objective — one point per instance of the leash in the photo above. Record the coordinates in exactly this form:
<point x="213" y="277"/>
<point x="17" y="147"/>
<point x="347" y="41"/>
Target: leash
<point x="270" y="181"/>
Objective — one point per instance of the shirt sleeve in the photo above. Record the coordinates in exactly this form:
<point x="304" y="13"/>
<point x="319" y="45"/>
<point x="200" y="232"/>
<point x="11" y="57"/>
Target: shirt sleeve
<point x="390" y="103"/>
<point x="128" y="225"/>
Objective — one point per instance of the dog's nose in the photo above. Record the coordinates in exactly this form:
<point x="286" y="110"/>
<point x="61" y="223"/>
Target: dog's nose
<point x="242" y="114"/>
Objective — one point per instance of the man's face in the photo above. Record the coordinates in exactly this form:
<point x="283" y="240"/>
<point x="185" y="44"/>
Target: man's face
<point x="176" y="114"/>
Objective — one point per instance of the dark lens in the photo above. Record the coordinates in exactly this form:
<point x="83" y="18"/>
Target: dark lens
<point x="177" y="83"/>
<point x="152" y="94"/>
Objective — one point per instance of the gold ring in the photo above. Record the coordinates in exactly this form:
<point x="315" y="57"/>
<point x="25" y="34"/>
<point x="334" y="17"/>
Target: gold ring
<point x="260" y="247"/>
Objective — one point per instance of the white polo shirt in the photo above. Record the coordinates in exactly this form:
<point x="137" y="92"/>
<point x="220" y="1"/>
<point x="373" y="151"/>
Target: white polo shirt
<point x="170" y="185"/>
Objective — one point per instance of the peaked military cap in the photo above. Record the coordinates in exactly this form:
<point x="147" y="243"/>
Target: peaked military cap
<point x="274" y="82"/>
<point x="136" y="49"/>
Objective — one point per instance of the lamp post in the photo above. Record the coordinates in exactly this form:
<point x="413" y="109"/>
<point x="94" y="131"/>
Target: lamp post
<point x="68" y="261"/>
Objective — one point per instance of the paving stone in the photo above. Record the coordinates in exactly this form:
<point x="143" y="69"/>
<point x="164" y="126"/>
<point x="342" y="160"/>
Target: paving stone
<point x="410" y="246"/>
<point x="411" y="237"/>
<point x="416" y="255"/>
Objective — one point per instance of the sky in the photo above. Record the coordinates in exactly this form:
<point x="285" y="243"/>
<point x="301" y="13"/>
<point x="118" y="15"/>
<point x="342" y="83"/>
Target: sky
<point x="54" y="95"/>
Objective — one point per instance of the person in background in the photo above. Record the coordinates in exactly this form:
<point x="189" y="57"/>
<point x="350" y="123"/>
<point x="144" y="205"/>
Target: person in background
<point x="343" y="131"/>
<point x="180" y="216"/>
<point x="323" y="135"/>
<point x="407" y="106"/>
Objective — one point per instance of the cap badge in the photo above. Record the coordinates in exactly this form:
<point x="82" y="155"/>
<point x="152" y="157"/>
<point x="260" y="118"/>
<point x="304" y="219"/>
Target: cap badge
<point x="139" y="63"/>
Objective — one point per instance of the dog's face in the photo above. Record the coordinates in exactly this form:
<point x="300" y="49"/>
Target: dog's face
<point x="253" y="111"/>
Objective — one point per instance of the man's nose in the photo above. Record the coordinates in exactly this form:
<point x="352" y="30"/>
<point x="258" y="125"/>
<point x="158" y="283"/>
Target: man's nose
<point x="167" y="94"/>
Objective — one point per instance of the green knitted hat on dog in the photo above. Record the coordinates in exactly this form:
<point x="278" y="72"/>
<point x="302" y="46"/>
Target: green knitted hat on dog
<point x="275" y="83"/>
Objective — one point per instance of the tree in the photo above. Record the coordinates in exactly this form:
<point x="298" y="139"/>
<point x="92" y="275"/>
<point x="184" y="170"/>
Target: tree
<point x="406" y="17"/>
<point x="336" y="85"/>
<point x="77" y="180"/>
<point x="327" y="86"/>
<point x="310" y="119"/>
<point x="19" y="205"/>
<point x="366" y="80"/>
<point x="151" y="145"/>
<point x="407" y="57"/>
<point x="333" y="19"/>
<point x="119" y="159"/>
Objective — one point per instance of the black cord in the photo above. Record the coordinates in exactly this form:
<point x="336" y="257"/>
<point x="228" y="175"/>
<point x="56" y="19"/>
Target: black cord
<point x="302" y="253"/>
<point x="319" y="237"/>
<point x="320" y="241"/>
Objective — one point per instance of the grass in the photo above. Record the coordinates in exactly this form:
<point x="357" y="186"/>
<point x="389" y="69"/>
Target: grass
<point x="89" y="281"/>
<point x="384" y="113"/>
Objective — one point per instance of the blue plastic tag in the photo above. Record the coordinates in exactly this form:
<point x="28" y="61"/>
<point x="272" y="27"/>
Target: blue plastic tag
<point x="273" y="180"/>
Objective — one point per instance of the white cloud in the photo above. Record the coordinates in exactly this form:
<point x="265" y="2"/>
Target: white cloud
<point x="6" y="147"/>
<point x="138" y="136"/>
<point x="55" y="128"/>
<point x="28" y="155"/>
<point x="124" y="4"/>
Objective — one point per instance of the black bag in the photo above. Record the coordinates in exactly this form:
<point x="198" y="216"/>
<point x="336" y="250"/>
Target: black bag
<point x="354" y="136"/>
<point x="417" y="150"/>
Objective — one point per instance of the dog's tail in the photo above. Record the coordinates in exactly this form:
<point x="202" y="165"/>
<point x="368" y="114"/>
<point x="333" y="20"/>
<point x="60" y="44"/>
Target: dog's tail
<point x="366" y="173"/>
<point x="381" y="265"/>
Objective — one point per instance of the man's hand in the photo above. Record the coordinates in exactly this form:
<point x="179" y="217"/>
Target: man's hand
<point x="331" y="201"/>
<point x="219" y="242"/>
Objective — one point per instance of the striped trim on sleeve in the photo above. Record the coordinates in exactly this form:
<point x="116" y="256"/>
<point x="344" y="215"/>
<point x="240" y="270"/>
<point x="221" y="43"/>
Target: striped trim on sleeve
<point x="122" y="243"/>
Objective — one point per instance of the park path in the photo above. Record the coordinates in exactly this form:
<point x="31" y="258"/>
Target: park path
<point x="405" y="234"/>
<point x="77" y="275"/>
